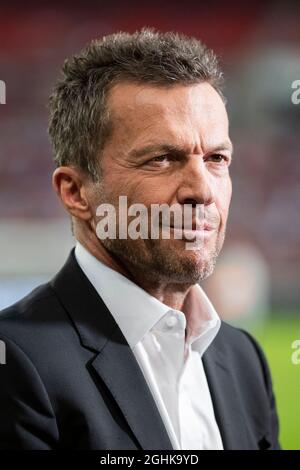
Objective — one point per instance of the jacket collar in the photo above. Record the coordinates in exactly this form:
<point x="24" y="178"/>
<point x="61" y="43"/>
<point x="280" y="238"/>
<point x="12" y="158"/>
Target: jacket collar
<point x="227" y="402"/>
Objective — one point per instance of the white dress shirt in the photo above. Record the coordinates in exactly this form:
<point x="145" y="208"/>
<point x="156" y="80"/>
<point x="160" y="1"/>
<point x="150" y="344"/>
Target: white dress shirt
<point x="168" y="345"/>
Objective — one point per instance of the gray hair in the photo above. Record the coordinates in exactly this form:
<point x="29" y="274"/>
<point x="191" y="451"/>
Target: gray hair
<point x="79" y="118"/>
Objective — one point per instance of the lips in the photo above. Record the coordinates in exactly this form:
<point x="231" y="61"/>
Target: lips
<point x="196" y="225"/>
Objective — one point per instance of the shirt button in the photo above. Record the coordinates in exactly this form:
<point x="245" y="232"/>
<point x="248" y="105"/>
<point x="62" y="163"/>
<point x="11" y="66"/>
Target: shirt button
<point x="171" y="321"/>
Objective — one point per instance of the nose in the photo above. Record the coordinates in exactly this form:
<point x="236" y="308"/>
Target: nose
<point x="196" y="186"/>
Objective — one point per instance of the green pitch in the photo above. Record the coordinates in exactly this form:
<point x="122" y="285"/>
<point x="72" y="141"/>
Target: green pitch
<point x="276" y="338"/>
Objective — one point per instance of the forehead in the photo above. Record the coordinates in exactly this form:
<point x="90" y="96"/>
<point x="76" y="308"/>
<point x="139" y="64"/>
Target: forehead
<point x="190" y="113"/>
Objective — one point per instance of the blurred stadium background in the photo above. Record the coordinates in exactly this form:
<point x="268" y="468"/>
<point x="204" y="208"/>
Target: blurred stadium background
<point x="256" y="282"/>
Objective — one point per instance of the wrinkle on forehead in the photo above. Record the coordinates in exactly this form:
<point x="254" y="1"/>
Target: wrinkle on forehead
<point x="132" y="95"/>
<point x="184" y="112"/>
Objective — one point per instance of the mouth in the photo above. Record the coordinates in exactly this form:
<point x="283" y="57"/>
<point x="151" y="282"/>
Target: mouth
<point x="201" y="231"/>
<point x="196" y="226"/>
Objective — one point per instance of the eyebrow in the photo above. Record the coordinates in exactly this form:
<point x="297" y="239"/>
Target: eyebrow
<point x="178" y="150"/>
<point x="225" y="146"/>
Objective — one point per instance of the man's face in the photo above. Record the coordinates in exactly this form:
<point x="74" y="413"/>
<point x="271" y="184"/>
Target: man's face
<point x="192" y="121"/>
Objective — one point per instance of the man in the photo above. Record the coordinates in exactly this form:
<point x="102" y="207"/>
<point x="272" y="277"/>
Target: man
<point x="122" y="349"/>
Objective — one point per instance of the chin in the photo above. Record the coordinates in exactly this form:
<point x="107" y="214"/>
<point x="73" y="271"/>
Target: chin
<point x="186" y="266"/>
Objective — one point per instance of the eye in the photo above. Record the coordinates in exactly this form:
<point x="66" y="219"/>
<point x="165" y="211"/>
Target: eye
<point x="219" y="158"/>
<point x="159" y="158"/>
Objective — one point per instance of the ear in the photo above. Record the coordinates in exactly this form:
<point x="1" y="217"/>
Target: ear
<point x="68" y="183"/>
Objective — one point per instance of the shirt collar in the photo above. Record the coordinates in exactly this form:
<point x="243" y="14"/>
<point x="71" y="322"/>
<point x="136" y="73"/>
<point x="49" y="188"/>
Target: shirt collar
<point x="136" y="312"/>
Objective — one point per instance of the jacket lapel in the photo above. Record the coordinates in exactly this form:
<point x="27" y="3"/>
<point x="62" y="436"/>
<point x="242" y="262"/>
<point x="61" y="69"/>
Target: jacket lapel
<point x="118" y="368"/>
<point x="114" y="361"/>
<point x="226" y="400"/>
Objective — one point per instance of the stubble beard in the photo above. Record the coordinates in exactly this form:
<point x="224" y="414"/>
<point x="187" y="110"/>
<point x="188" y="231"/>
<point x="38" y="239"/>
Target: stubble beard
<point x="162" y="261"/>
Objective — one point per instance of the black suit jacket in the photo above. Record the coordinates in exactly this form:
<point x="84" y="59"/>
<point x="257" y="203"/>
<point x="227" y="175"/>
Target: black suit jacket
<point x="71" y="380"/>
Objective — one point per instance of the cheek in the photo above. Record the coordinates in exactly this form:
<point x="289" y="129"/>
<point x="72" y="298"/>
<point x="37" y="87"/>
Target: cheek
<point x="148" y="191"/>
